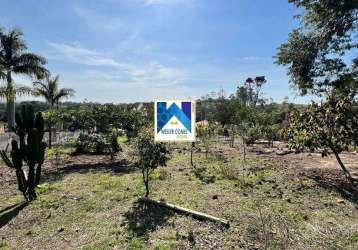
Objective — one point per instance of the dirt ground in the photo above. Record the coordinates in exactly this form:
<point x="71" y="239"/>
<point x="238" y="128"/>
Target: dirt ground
<point x="89" y="202"/>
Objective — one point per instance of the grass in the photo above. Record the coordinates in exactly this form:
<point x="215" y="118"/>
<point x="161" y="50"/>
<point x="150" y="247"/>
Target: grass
<point x="267" y="205"/>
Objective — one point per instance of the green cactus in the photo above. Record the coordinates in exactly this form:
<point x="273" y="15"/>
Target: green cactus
<point x="29" y="150"/>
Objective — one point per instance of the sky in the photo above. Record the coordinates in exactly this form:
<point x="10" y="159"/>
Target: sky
<point x="137" y="50"/>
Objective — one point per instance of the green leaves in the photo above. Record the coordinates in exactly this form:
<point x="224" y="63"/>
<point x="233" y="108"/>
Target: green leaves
<point x="316" y="52"/>
<point x="332" y="124"/>
<point x="151" y="154"/>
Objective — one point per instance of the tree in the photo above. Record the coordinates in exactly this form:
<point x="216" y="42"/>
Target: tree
<point x="331" y="125"/>
<point x="317" y="53"/>
<point x="15" y="60"/>
<point x="49" y="89"/>
<point x="205" y="133"/>
<point x="151" y="156"/>
<point x="249" y="94"/>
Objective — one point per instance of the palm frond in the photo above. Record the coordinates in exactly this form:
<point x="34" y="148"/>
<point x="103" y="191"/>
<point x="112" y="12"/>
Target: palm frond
<point x="3" y="91"/>
<point x="64" y="93"/>
<point x="12" y="42"/>
<point x="50" y="91"/>
<point x="23" y="90"/>
<point x="30" y="64"/>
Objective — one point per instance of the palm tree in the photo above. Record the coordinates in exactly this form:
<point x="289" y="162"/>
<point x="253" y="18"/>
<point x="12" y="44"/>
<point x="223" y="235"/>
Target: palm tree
<point x="50" y="91"/>
<point x="14" y="59"/>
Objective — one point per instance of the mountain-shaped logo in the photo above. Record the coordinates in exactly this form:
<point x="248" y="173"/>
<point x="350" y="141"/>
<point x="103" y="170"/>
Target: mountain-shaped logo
<point x="183" y="114"/>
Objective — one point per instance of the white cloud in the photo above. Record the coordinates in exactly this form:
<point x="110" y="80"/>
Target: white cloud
<point x="153" y="73"/>
<point x="77" y="54"/>
<point x="97" y="21"/>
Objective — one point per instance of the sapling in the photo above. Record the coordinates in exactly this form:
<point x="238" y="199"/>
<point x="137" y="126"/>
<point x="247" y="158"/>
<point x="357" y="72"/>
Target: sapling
<point x="205" y="134"/>
<point x="151" y="155"/>
<point x="192" y="148"/>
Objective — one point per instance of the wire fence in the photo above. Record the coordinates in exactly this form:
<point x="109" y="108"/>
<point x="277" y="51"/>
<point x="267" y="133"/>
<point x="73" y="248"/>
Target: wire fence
<point x="58" y="138"/>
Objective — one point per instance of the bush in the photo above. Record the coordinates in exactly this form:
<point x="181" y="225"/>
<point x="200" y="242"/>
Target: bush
<point x="151" y="155"/>
<point x="96" y="143"/>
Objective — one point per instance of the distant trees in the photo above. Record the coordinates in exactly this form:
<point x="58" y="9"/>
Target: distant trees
<point x="49" y="89"/>
<point x="249" y="94"/>
<point x="14" y="59"/>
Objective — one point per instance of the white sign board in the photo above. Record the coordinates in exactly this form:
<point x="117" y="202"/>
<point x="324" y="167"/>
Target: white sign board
<point x="174" y="120"/>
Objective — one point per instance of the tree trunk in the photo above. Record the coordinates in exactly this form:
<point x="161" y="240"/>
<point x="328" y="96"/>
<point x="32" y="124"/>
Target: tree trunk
<point x="49" y="135"/>
<point x="191" y="154"/>
<point x="10" y="102"/>
<point x="10" y="110"/>
<point x="145" y="173"/>
<point x="244" y="152"/>
<point x="341" y="164"/>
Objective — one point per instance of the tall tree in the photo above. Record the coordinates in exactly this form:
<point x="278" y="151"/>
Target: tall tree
<point x="322" y="60"/>
<point x="321" y="54"/>
<point x="15" y="60"/>
<point x="49" y="89"/>
<point x="250" y="92"/>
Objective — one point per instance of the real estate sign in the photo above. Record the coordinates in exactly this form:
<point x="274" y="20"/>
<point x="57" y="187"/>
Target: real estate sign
<point x="174" y="120"/>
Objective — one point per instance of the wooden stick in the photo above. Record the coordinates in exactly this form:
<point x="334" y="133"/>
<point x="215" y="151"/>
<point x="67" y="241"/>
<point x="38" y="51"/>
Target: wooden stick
<point x="187" y="211"/>
<point x="283" y="152"/>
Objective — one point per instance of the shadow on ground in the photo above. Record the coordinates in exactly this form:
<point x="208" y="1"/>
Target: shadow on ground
<point x="144" y="218"/>
<point x="334" y="180"/>
<point x="7" y="214"/>
<point x="113" y="167"/>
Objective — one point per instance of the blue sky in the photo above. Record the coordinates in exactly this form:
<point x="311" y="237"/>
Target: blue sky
<point x="137" y="50"/>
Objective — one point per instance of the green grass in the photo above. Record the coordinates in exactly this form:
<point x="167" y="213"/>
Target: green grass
<point x="267" y="207"/>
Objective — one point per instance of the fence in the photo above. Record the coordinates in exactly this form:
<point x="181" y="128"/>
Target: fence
<point x="58" y="138"/>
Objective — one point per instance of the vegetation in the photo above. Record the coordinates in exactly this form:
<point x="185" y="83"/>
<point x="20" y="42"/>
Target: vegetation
<point x="30" y="150"/>
<point x="329" y="127"/>
<point x="151" y="156"/>
<point x="205" y="134"/>
<point x="97" y="144"/>
<point x="52" y="94"/>
<point x="315" y="54"/>
<point x="14" y="59"/>
<point x="272" y="200"/>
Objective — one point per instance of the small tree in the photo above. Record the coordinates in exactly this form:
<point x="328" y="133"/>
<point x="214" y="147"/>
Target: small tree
<point x="205" y="134"/>
<point x="192" y="148"/>
<point x="52" y="118"/>
<point x="332" y="125"/>
<point x="151" y="156"/>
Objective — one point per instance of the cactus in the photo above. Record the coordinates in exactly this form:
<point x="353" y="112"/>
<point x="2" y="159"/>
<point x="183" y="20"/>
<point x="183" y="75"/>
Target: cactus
<point x="29" y="150"/>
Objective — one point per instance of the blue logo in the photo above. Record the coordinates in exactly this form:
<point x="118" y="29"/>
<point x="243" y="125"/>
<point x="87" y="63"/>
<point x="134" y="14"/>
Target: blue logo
<point x="164" y="114"/>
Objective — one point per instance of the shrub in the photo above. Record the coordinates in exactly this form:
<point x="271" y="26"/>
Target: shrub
<point x="151" y="155"/>
<point x="97" y="143"/>
<point x="329" y="127"/>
